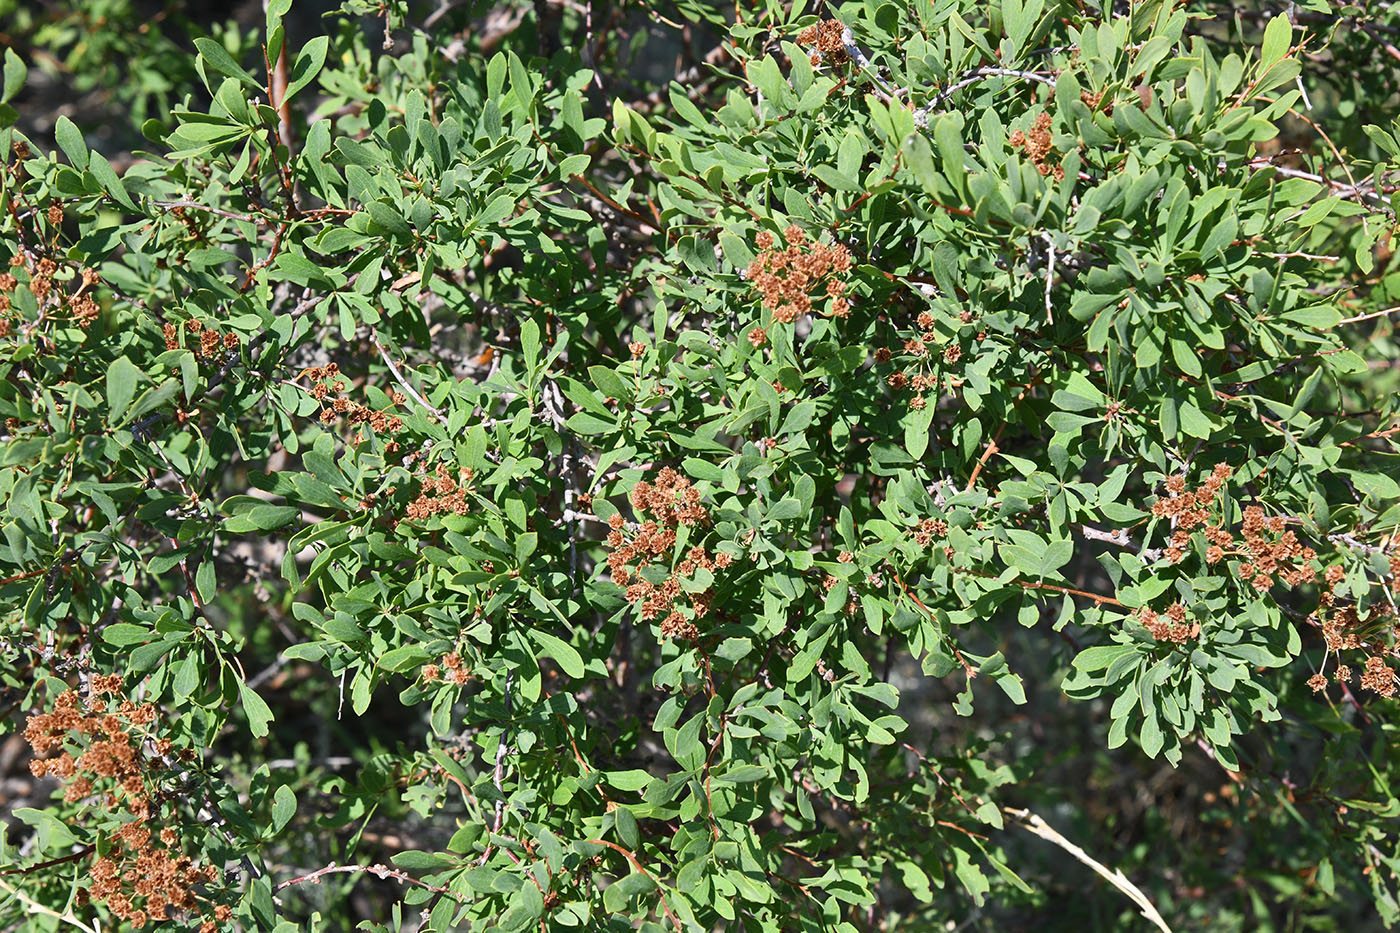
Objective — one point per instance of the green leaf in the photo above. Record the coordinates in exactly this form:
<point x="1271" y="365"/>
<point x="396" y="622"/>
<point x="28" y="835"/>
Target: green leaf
<point x="1193" y="421"/>
<point x="70" y="140"/>
<point x="530" y="343"/>
<point x="206" y="582"/>
<point x="609" y="383"/>
<point x="261" y="517"/>
<point x="628" y="833"/>
<point x="403" y="658"/>
<point x="1151" y="736"/>
<point x="629" y="781"/>
<point x="217" y="57"/>
<point x="1376" y="485"/>
<point x="1101" y="656"/>
<point x="617" y="894"/>
<point x="124" y="634"/>
<point x="107" y="177"/>
<point x="525" y="545"/>
<point x="284" y="807"/>
<point x="308" y="65"/>
<point x="388" y="218"/>
<point x="947" y="135"/>
<point x="496" y="210"/>
<point x="561" y="651"/>
<point x="122" y="377"/>
<point x="257" y="711"/>
<point x="1278" y="36"/>
<point x="15" y="73"/>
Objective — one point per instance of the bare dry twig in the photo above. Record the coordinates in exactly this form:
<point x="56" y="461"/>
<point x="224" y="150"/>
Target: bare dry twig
<point x="1032" y="823"/>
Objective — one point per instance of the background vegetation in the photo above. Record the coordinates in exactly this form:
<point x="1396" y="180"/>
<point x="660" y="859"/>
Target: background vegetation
<point x="698" y="466"/>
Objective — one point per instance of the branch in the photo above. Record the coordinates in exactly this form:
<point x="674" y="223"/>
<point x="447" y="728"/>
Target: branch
<point x="34" y="907"/>
<point x="1366" y="317"/>
<point x="1353" y="542"/>
<point x="1034" y="824"/>
<point x="398" y="377"/>
<point x="972" y="77"/>
<point x="856" y="55"/>
<point x="61" y="860"/>
<point x="1032" y="585"/>
<point x="498" y="777"/>
<point x="379" y="871"/>
<point x="1119" y="536"/>
<point x="638" y="865"/>
<point x="195" y="205"/>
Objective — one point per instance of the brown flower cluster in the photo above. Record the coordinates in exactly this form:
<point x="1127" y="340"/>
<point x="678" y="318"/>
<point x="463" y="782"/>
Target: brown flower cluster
<point x="827" y="40"/>
<point x="663" y="506"/>
<point x="206" y="344"/>
<point x="8" y="283"/>
<point x="1274" y="552"/>
<point x="1171" y="626"/>
<point x="140" y="875"/>
<point x="1378" y="677"/>
<point x="327" y="388"/>
<point x="1271" y="550"/>
<point x="1037" y="146"/>
<point x="1190" y="509"/>
<point x="449" y="668"/>
<point x="785" y="277"/>
<point x="916" y="350"/>
<point x="158" y="877"/>
<point x="671" y="500"/>
<point x="82" y="306"/>
<point x="929" y="529"/>
<point x="441" y="494"/>
<point x="1343" y="629"/>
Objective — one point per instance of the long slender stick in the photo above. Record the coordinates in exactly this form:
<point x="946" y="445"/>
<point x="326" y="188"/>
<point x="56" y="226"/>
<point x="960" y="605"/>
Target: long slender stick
<point x="34" y="907"/>
<point x="498" y="776"/>
<point x="398" y="377"/>
<point x="1034" y="824"/>
<point x="379" y="871"/>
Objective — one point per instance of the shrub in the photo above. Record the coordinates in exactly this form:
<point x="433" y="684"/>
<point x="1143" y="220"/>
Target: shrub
<point x="450" y="473"/>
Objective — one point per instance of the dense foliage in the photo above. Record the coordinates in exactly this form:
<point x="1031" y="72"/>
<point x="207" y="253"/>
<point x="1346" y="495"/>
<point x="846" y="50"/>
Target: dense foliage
<point x="699" y="466"/>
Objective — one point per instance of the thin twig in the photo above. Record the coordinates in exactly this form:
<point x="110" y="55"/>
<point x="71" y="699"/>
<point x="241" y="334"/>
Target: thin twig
<point x="969" y="78"/>
<point x="1120" y="537"/>
<point x="631" y="857"/>
<point x="987" y="453"/>
<point x="1351" y="541"/>
<point x="61" y="860"/>
<point x="1032" y="823"/>
<point x="856" y="55"/>
<point x="379" y="871"/>
<point x="34" y="907"/>
<point x="399" y="378"/>
<point x="498" y="776"/>
<point x="1369" y="316"/>
<point x="1054" y="588"/>
<point x="195" y="205"/>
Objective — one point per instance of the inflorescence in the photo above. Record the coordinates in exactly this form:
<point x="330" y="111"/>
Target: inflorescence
<point x="110" y="760"/>
<point x="827" y="42"/>
<point x="787" y="276"/>
<point x="328" y="384"/>
<point x="1269" y="554"/>
<point x="640" y="558"/>
<point x="206" y="344"/>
